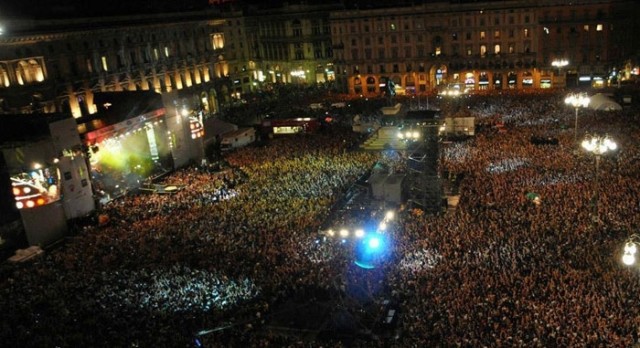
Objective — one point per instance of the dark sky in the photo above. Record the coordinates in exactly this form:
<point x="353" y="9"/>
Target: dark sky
<point x="75" y="8"/>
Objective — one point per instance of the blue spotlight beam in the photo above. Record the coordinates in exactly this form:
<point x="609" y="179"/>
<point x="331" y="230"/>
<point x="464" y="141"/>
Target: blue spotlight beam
<point x="371" y="251"/>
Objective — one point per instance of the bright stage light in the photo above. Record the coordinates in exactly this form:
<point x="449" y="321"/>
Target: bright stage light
<point x="374" y="243"/>
<point x="359" y="233"/>
<point x="371" y="251"/>
<point x="344" y="233"/>
<point x="389" y="215"/>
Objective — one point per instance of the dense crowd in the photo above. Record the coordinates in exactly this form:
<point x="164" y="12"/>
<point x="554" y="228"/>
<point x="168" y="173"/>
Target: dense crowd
<point x="214" y="260"/>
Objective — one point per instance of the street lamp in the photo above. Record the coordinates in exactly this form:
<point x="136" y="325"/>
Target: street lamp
<point x="577" y="100"/>
<point x="598" y="145"/>
<point x="630" y="250"/>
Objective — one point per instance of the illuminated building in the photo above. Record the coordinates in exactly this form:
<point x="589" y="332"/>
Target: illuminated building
<point x="484" y="45"/>
<point x="57" y="65"/>
<point x="293" y="43"/>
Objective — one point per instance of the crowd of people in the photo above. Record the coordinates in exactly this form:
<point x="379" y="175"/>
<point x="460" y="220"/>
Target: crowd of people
<point x="211" y="263"/>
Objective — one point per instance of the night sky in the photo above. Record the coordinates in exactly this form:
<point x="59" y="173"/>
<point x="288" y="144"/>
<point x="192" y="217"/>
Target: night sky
<point x="42" y="9"/>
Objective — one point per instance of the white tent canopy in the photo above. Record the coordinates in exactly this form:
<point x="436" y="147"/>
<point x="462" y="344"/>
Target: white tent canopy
<point x="600" y="101"/>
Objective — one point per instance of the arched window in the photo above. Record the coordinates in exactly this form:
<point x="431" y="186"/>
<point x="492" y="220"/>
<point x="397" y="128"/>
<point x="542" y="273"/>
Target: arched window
<point x="217" y="41"/>
<point x="4" y="77"/>
<point x="23" y="75"/>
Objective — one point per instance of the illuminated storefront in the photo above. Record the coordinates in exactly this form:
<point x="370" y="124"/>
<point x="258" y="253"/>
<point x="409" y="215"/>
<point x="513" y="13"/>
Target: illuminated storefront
<point x="527" y="79"/>
<point x="483" y="81"/>
<point x="512" y="80"/>
<point x="469" y="81"/>
<point x="497" y="80"/>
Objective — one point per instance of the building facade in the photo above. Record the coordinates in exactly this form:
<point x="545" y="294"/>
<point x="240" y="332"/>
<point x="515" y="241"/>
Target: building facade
<point x="201" y="61"/>
<point x="292" y="44"/>
<point x="57" y="65"/>
<point x="478" y="45"/>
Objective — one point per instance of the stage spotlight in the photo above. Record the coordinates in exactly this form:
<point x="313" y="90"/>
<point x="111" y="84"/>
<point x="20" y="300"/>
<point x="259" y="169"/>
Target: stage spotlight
<point x="374" y="243"/>
<point x="359" y="233"/>
<point x="371" y="251"/>
<point x="389" y="215"/>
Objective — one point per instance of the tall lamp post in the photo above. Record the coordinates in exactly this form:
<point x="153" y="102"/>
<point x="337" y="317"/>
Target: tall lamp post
<point x="630" y="250"/>
<point x="577" y="101"/>
<point x="598" y="145"/>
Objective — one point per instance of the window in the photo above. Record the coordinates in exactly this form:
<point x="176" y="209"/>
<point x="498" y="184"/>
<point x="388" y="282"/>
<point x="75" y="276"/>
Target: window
<point x="353" y="42"/>
<point x="392" y="27"/>
<point x="407" y="52"/>
<point x="599" y="27"/>
<point x="4" y="77"/>
<point x="217" y="41"/>
<point x="469" y="51"/>
<point x="496" y="49"/>
<point x="455" y="49"/>
<point x="366" y="28"/>
<point x="468" y="36"/>
<point x="394" y="39"/>
<point x="483" y="35"/>
<point x="454" y="36"/>
<point x="585" y="27"/>
<point x="367" y="41"/>
<point x="354" y="54"/>
<point x="483" y="50"/>
<point x="496" y="21"/>
<point x="166" y="51"/>
<point x="28" y="71"/>
<point x="526" y="32"/>
<point x="382" y="69"/>
<point x="512" y="48"/>
<point x="380" y="53"/>
<point x="511" y="33"/>
<point x="496" y="34"/>
<point x="105" y="66"/>
<point x="511" y="20"/>
<point x="396" y="68"/>
<point x="367" y="53"/>
<point x="526" y="19"/>
<point x="156" y="56"/>
<point x="380" y="40"/>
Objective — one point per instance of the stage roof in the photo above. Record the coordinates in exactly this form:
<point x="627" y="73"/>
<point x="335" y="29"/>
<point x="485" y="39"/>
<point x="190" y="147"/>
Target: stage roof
<point x="115" y="107"/>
